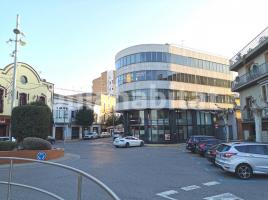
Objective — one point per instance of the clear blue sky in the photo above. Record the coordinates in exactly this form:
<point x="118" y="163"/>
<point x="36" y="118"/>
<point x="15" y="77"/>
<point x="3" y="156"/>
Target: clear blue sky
<point x="72" y="41"/>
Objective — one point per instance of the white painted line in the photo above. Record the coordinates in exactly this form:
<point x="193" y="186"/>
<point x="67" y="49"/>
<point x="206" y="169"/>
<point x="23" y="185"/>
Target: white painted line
<point x="167" y="193"/>
<point x="224" y="196"/>
<point x="191" y="187"/>
<point x="211" y="183"/>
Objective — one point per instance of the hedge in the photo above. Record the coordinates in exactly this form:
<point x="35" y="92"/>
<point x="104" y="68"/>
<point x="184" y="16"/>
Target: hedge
<point x="33" y="120"/>
<point x="7" y="145"/>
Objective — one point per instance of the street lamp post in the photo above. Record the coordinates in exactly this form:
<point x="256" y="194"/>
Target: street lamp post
<point x="17" y="40"/>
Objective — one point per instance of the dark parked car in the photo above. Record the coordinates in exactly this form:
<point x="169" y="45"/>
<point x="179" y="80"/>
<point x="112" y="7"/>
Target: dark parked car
<point x="204" y="145"/>
<point x="192" y="141"/>
<point x="211" y="153"/>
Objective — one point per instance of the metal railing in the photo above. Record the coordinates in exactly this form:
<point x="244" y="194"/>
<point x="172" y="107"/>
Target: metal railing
<point x="80" y="175"/>
<point x="258" y="40"/>
<point x="251" y="76"/>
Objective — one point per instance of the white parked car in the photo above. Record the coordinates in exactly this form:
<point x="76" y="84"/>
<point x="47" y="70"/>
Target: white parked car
<point x="6" y="138"/>
<point x="243" y="159"/>
<point x="90" y="135"/>
<point x="105" y="134"/>
<point x="128" y="141"/>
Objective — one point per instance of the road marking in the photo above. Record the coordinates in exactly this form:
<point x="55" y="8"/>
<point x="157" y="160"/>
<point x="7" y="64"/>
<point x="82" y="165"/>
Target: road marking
<point x="167" y="193"/>
<point x="190" y="187"/>
<point x="211" y="183"/>
<point x="224" y="196"/>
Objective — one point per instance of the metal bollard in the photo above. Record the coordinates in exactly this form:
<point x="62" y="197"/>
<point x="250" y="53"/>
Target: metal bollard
<point x="79" y="187"/>
<point x="9" y="180"/>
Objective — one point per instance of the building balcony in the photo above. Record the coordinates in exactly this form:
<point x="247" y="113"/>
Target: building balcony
<point x="253" y="48"/>
<point x="61" y="120"/>
<point x="248" y="116"/>
<point x="250" y="78"/>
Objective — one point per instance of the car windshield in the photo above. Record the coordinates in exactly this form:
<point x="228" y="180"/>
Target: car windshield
<point x="223" y="147"/>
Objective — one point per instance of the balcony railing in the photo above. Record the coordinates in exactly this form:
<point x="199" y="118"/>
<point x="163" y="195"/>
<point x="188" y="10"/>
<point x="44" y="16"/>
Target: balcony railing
<point x="256" y="73"/>
<point x="247" y="115"/>
<point x="257" y="41"/>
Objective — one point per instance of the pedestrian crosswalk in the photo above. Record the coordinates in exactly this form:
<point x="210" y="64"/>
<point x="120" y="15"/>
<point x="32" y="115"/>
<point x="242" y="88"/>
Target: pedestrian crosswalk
<point x="191" y="187"/>
<point x="175" y="194"/>
<point x="224" y="196"/>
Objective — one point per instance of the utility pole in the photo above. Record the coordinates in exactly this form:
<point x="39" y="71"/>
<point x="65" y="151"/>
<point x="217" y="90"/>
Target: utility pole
<point x="17" y="40"/>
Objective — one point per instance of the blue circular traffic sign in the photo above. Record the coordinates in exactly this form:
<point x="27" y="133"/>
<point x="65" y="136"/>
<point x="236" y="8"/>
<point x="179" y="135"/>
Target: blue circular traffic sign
<point x="41" y="155"/>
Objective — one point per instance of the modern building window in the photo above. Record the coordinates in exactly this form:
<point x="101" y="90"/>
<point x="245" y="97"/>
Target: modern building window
<point x="171" y="76"/>
<point x="157" y="94"/>
<point x="1" y="100"/>
<point x="22" y="99"/>
<point x="141" y="76"/>
<point x="170" y="58"/>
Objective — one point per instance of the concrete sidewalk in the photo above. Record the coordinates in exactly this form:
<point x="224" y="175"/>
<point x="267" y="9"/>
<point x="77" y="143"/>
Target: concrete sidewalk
<point x="180" y="145"/>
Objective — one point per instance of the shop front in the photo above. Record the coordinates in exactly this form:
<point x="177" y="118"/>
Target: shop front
<point x="167" y="126"/>
<point x="4" y="125"/>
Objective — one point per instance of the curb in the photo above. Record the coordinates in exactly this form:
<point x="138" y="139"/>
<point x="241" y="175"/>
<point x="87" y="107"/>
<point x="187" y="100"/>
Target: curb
<point x="165" y="145"/>
<point x="67" y="156"/>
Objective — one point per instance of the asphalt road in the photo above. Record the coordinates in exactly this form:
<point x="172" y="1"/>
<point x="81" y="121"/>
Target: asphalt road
<point x="144" y="173"/>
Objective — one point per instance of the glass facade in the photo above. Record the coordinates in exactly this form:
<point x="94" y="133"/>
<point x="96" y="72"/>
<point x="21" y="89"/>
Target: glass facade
<point x="149" y="75"/>
<point x="168" y="126"/>
<point x="161" y="121"/>
<point x="165" y="57"/>
<point x="160" y="94"/>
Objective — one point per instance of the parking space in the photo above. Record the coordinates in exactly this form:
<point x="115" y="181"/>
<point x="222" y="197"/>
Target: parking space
<point x="225" y="186"/>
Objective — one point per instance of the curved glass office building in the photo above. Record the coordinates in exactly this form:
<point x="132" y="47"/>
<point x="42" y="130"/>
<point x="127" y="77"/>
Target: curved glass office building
<point x="167" y="93"/>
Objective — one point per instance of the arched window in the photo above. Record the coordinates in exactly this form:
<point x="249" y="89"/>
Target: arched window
<point x="42" y="99"/>
<point x="1" y="100"/>
<point x="23" y="99"/>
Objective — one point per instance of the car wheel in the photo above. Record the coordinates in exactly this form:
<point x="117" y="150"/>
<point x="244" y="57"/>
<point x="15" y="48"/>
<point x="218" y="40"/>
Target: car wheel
<point x="142" y="143"/>
<point x="127" y="145"/>
<point x="243" y="171"/>
<point x="116" y="146"/>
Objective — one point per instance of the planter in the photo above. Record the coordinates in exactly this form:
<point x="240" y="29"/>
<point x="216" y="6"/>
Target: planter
<point x="50" y="154"/>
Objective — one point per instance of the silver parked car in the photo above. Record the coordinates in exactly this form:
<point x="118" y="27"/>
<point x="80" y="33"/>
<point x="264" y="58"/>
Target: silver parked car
<point x="243" y="159"/>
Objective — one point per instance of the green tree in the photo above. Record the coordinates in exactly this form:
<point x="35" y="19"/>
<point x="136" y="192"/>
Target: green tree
<point x="114" y="119"/>
<point x="84" y="117"/>
<point x="109" y="120"/>
<point x="32" y="120"/>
